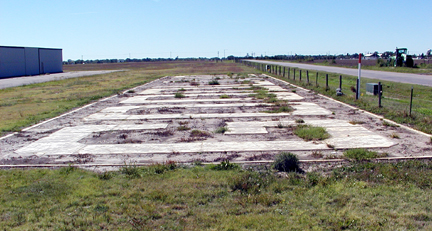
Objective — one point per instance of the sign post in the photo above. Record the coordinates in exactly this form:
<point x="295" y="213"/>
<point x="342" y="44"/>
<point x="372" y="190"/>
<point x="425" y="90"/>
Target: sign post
<point x="358" y="79"/>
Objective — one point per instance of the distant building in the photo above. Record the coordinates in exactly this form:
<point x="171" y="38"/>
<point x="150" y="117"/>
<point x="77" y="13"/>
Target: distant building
<point x="22" y="61"/>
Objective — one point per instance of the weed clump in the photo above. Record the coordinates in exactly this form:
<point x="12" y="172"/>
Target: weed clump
<point x="224" y="96"/>
<point x="221" y="130"/>
<point x="179" y="95"/>
<point x="309" y="133"/>
<point x="252" y="182"/>
<point x="360" y="154"/>
<point x="183" y="128"/>
<point x="225" y="165"/>
<point x="286" y="162"/>
<point x="213" y="82"/>
<point x="199" y="133"/>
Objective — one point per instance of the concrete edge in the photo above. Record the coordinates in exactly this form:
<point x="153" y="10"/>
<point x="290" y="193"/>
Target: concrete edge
<point x="360" y="110"/>
<point x="207" y="163"/>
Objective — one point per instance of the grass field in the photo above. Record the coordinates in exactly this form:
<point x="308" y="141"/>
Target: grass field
<point x="363" y="196"/>
<point x="27" y="105"/>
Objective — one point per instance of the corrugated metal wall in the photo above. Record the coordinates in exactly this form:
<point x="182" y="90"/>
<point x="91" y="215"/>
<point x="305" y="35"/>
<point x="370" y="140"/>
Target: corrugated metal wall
<point x="48" y="60"/>
<point x="12" y="62"/>
<point x="21" y="61"/>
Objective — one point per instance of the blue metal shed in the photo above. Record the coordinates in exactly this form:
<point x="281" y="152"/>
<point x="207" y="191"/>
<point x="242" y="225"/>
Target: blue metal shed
<point x="22" y="61"/>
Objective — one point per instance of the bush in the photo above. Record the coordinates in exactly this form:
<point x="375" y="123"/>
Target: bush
<point x="286" y="162"/>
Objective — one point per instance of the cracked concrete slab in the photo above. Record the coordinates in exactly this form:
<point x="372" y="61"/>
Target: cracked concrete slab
<point x="149" y="126"/>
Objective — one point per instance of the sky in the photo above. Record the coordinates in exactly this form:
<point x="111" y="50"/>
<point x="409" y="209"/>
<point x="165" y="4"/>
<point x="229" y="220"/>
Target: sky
<point x="109" y="29"/>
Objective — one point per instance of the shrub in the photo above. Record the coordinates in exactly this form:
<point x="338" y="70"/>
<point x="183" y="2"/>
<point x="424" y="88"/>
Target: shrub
<point x="286" y="162"/>
<point x="309" y="133"/>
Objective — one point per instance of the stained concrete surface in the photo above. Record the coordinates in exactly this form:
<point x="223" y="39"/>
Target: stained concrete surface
<point x="152" y="126"/>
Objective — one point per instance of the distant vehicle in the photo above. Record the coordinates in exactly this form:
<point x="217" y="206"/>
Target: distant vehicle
<point x="402" y="58"/>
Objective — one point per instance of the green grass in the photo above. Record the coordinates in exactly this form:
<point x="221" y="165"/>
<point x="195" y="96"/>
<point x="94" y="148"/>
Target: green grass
<point x="224" y="96"/>
<point x="30" y="104"/>
<point x="360" y="154"/>
<point x="308" y="132"/>
<point x="393" y="196"/>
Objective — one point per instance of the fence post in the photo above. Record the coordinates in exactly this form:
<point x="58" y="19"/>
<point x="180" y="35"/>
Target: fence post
<point x="307" y="77"/>
<point x="340" y="82"/>
<point x="358" y="89"/>
<point x="289" y="70"/>
<point x="412" y="91"/>
<point x="294" y="74"/>
<point x="379" y="94"/>
<point x="283" y="75"/>
<point x="300" y="75"/>
<point x="316" y="80"/>
<point x="327" y="82"/>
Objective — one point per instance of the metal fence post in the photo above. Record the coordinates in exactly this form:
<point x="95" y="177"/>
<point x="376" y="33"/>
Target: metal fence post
<point x="412" y="91"/>
<point x="379" y="94"/>
<point x="327" y="82"/>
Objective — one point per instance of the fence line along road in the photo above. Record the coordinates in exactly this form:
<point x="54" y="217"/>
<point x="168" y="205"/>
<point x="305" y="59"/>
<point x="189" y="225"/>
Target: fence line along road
<point x="425" y="80"/>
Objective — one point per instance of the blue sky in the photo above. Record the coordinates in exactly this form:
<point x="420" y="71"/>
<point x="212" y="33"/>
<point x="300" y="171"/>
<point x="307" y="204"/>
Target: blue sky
<point x="97" y="29"/>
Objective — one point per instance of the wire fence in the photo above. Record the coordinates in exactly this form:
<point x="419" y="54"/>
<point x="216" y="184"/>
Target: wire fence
<point x="405" y="103"/>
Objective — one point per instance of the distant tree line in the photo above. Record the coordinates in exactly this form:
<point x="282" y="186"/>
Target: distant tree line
<point x="296" y="57"/>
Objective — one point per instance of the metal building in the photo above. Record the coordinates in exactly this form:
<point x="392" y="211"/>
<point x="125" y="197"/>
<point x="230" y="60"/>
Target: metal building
<point x="21" y="61"/>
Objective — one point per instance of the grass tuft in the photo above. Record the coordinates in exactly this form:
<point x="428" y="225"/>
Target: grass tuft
<point x="308" y="132"/>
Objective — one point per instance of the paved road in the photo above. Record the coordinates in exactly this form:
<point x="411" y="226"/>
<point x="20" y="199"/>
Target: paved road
<point x="381" y="75"/>
<point x="25" y="80"/>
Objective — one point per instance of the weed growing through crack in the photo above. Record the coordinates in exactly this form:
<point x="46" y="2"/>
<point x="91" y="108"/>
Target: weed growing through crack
<point x="221" y="130"/>
<point x="394" y="135"/>
<point x="179" y="95"/>
<point x="224" y="96"/>
<point x="299" y="121"/>
<point x="199" y="133"/>
<point x="308" y="132"/>
<point x="354" y="122"/>
<point x="213" y="82"/>
<point x="183" y="128"/>
<point x="181" y="89"/>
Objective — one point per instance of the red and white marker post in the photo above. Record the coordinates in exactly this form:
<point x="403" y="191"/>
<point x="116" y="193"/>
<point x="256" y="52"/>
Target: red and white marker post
<point x="358" y="79"/>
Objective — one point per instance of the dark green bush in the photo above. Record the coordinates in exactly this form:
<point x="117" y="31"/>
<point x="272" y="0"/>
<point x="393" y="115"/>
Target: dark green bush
<point x="286" y="162"/>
